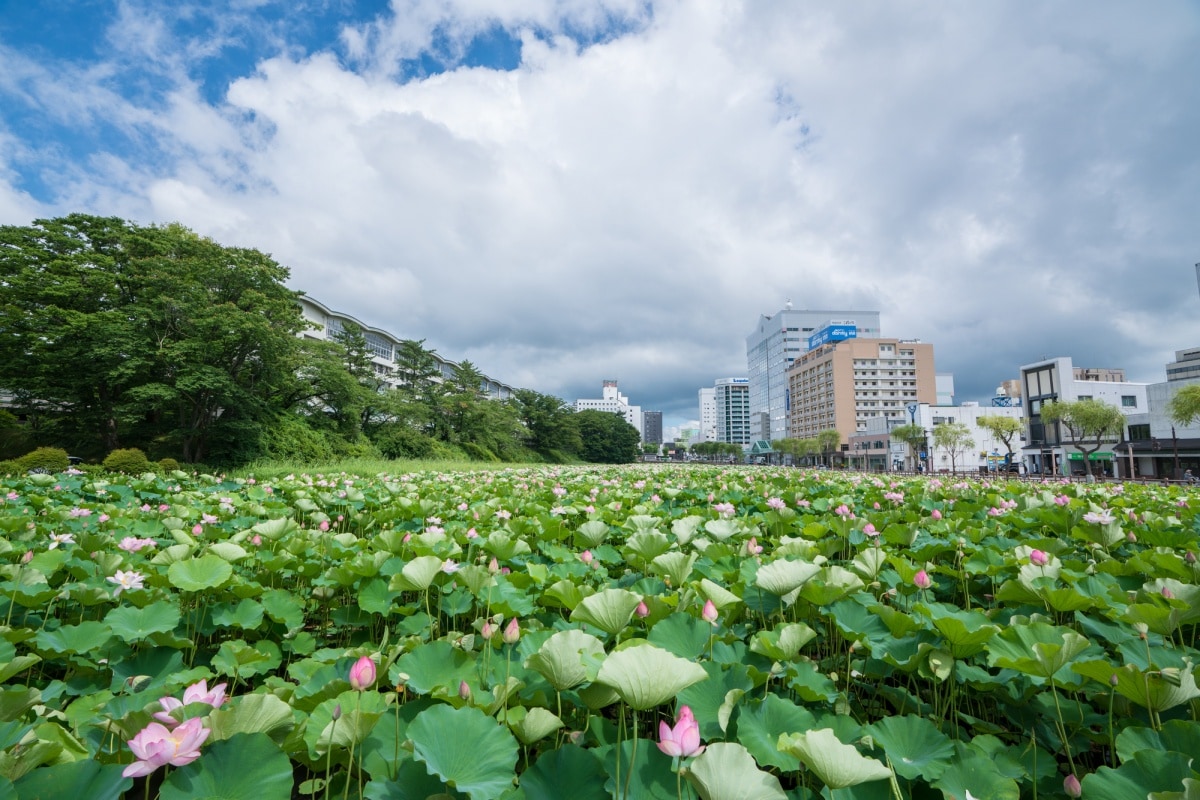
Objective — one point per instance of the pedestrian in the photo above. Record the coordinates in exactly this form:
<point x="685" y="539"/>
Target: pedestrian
<point x="1189" y="477"/>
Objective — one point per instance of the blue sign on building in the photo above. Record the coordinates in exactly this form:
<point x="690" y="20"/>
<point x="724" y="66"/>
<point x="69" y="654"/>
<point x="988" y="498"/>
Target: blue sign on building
<point x="833" y="332"/>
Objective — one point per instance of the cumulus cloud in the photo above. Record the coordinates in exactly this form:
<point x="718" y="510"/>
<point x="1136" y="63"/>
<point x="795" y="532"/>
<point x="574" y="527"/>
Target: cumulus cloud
<point x="1006" y="183"/>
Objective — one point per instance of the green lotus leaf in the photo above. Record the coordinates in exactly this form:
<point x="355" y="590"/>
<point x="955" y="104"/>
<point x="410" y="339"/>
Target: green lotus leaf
<point x="413" y="782"/>
<point x="474" y="577"/>
<point x="88" y="637"/>
<point x="722" y="529"/>
<point x="248" y="615"/>
<point x="1036" y="648"/>
<point x="169" y="555"/>
<point x="505" y="546"/>
<point x="276" y="529"/>
<point x="76" y="779"/>
<point x="252" y="713"/>
<point x="565" y="593"/>
<point x="682" y="634"/>
<point x="609" y="610"/>
<point x="133" y="624"/>
<point x="726" y="771"/>
<point x="1158" y="690"/>
<point x="239" y="660"/>
<point x="676" y="566"/>
<point x="685" y="528"/>
<point x="568" y="771"/>
<point x="1149" y="771"/>
<point x="966" y="631"/>
<point x="560" y="658"/>
<point x="721" y="597"/>
<point x="1176" y="736"/>
<point x="644" y="546"/>
<point x="832" y="584"/>
<point x="646" y="676"/>
<point x="838" y="765"/>
<point x="247" y="765"/>
<point x="534" y="724"/>
<point x="434" y="665"/>
<point x="760" y="725"/>
<point x="228" y="551"/>
<point x="870" y="562"/>
<point x="197" y="574"/>
<point x="1191" y="791"/>
<point x="783" y="643"/>
<point x="283" y="607"/>
<point x="973" y="772"/>
<point x="593" y="533"/>
<point x="784" y="576"/>
<point x="706" y="698"/>
<point x="914" y="745"/>
<point x="360" y="711"/>
<point x="466" y="749"/>
<point x="417" y="575"/>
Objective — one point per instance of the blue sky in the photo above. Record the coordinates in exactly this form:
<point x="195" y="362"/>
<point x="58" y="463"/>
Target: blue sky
<point x="565" y="191"/>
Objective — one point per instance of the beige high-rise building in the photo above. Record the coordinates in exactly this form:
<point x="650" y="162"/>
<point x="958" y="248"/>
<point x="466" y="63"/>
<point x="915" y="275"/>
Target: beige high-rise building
<point x="842" y="384"/>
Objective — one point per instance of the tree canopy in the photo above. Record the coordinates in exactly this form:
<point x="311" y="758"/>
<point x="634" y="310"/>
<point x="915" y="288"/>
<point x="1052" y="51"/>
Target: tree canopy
<point x="1184" y="405"/>
<point x="1006" y="429"/>
<point x="1089" y="422"/>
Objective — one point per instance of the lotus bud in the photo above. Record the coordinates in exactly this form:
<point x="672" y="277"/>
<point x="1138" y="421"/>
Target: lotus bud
<point x="586" y="557"/>
<point x="709" y="614"/>
<point x="1167" y="593"/>
<point x="1039" y="558"/>
<point x="1131" y="537"/>
<point x="488" y="630"/>
<point x="362" y="674"/>
<point x="512" y="631"/>
<point x="1189" y="557"/>
<point x="197" y="529"/>
<point x="493" y="566"/>
<point x="575" y="737"/>
<point x="1071" y="786"/>
<point x="1113" y="680"/>
<point x="25" y="559"/>
<point x="642" y="611"/>
<point x="464" y="691"/>
<point x="935" y="514"/>
<point x="337" y="712"/>
<point x="922" y="580"/>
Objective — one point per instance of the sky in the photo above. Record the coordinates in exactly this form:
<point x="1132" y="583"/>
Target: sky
<point x="568" y="191"/>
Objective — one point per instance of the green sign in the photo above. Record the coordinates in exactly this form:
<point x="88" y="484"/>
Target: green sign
<point x="1092" y="457"/>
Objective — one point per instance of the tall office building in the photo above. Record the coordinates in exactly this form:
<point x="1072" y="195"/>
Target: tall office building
<point x="773" y="347"/>
<point x="708" y="415"/>
<point x="732" y="396"/>
<point x="652" y="430"/>
<point x="613" y="401"/>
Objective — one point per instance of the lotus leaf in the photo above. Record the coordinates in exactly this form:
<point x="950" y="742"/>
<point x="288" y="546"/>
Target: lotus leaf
<point x="1149" y="771"/>
<point x="721" y="597"/>
<point x="726" y="771"/>
<point x="722" y="529"/>
<point x="197" y="574"/>
<point x="973" y="771"/>
<point x="914" y="745"/>
<point x="252" y="713"/>
<point x="466" y="749"/>
<point x="676" y="566"/>
<point x="645" y="676"/>
<point x="76" y="779"/>
<point x="784" y="642"/>
<point x="759" y="726"/>
<point x="593" y="532"/>
<point x="560" y="658"/>
<point x="533" y="725"/>
<point x="784" y="576"/>
<point x="1177" y="736"/>
<point x="1037" y="648"/>
<point x="609" y="610"/>
<point x="838" y="765"/>
<point x="247" y="765"/>
<point x="133" y="624"/>
<point x="417" y="575"/>
<point x="681" y="634"/>
<point x="568" y="771"/>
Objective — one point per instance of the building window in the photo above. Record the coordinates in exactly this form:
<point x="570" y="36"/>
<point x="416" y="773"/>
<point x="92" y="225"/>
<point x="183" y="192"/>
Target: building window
<point x="1085" y="397"/>
<point x="1139" y="433"/>
<point x="1128" y="401"/>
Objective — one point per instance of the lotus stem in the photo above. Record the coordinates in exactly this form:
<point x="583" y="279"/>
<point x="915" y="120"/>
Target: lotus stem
<point x="632" y="755"/>
<point x="1062" y="727"/>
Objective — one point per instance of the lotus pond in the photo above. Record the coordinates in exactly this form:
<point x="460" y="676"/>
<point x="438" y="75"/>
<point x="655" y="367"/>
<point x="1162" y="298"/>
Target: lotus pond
<point x="640" y="632"/>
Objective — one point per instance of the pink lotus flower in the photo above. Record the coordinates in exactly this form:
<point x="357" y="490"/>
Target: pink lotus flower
<point x="683" y="740"/>
<point x="586" y="556"/>
<point x="362" y="674"/>
<point x="488" y="630"/>
<point x="709" y="614"/>
<point x="156" y="746"/>
<point x="869" y="530"/>
<point x="935" y="514"/>
<point x="753" y="547"/>
<point x="1072" y="787"/>
<point x="512" y="631"/>
<point x="922" y="580"/>
<point x="1039" y="558"/>
<point x="642" y="610"/>
<point x="196" y="693"/>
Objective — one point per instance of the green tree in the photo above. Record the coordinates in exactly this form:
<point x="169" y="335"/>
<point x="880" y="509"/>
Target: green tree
<point x="913" y="436"/>
<point x="419" y="386"/>
<point x="1184" y="405"/>
<point x="955" y="438"/>
<point x="607" y="438"/>
<point x="828" y="441"/>
<point x="549" y="425"/>
<point x="1089" y="423"/>
<point x="1005" y="429"/>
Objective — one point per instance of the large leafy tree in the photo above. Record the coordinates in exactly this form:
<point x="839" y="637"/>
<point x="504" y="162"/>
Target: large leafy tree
<point x="1005" y="429"/>
<point x="911" y="435"/>
<point x="607" y="438"/>
<point x="125" y="335"/>
<point x="1089" y="422"/>
<point x="829" y="441"/>
<point x="1184" y="405"/>
<point x="549" y="424"/>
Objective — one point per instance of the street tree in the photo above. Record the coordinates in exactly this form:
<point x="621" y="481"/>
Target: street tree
<point x="955" y="438"/>
<point x="828" y="441"/>
<point x="1006" y="429"/>
<point x="606" y="437"/>
<point x="914" y="437"/>
<point x="1089" y="422"/>
<point x="1184" y="405"/>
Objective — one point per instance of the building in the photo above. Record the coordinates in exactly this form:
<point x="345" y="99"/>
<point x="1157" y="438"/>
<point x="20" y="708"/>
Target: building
<point x="1158" y="447"/>
<point x="843" y="385"/>
<point x="708" y="415"/>
<point x="772" y="348"/>
<point x="613" y="401"/>
<point x="732" y="402"/>
<point x="328" y="324"/>
<point x="1048" y="449"/>
<point x="652" y="427"/>
<point x="874" y="449"/>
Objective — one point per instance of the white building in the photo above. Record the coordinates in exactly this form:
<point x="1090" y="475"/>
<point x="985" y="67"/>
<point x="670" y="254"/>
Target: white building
<point x="874" y="448"/>
<point x="1156" y="439"/>
<point x="732" y="407"/>
<point x="613" y="401"/>
<point x="328" y="324"/>
<point x="772" y="348"/>
<point x="1048" y="449"/>
<point x="708" y="415"/>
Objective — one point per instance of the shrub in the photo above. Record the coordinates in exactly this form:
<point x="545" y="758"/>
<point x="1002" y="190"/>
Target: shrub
<point x="289" y="439"/>
<point x="10" y="468"/>
<point x="398" y="441"/>
<point x="168" y="464"/>
<point x="477" y="452"/>
<point x="131" y="461"/>
<point x="45" y="459"/>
